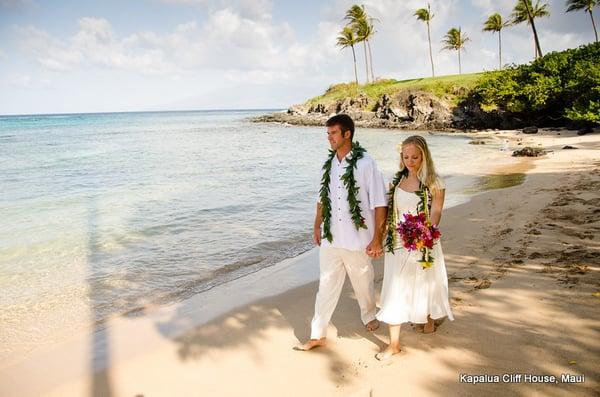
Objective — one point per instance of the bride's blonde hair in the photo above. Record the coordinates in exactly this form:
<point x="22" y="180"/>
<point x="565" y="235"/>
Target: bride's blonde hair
<point x="426" y="173"/>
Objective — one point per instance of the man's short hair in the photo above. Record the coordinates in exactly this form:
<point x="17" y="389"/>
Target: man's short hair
<point x="344" y="121"/>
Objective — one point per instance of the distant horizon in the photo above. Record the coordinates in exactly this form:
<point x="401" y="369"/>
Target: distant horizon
<point x="143" y="111"/>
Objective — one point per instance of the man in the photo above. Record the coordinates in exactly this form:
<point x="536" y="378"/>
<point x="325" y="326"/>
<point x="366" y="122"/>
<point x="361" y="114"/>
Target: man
<point x="352" y="208"/>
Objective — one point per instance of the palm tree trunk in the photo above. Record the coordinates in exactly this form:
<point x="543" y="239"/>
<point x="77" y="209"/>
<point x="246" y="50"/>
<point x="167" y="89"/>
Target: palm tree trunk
<point x="366" y="61"/>
<point x="594" y="25"/>
<point x="459" y="67"/>
<point x="371" y="61"/>
<point x="430" y="53"/>
<point x="538" y="49"/>
<point x="500" y="49"/>
<point x="355" y="72"/>
<point x="537" y="40"/>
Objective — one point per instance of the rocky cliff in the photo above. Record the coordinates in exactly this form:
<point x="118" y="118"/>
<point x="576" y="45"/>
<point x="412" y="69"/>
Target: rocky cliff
<point x="406" y="109"/>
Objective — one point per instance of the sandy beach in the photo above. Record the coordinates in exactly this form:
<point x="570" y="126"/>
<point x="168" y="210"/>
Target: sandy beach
<point x="524" y="277"/>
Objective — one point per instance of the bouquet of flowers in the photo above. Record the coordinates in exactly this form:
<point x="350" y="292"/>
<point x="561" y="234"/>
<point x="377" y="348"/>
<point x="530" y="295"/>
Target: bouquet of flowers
<point x="418" y="234"/>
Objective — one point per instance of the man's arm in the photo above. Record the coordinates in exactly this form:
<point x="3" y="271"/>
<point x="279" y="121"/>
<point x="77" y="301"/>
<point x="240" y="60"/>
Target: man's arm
<point x="375" y="247"/>
<point x="317" y="225"/>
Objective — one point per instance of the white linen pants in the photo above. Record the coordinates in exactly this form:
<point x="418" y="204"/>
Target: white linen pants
<point x="334" y="264"/>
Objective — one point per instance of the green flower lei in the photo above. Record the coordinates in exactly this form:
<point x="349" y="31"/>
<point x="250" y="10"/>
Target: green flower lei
<point x="392" y="220"/>
<point x="356" y="154"/>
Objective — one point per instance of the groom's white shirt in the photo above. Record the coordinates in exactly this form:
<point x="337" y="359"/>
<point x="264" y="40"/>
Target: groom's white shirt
<point x="371" y="193"/>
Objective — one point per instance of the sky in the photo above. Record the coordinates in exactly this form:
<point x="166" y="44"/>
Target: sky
<point x="70" y="56"/>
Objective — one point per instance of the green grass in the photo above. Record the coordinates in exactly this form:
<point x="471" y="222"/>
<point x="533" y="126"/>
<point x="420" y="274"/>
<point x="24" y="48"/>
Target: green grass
<point x="447" y="87"/>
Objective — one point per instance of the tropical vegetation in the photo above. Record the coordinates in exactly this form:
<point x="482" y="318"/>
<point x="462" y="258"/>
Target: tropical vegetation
<point x="455" y="39"/>
<point x="495" y="24"/>
<point x="557" y="88"/>
<point x="425" y="15"/>
<point x="359" y="29"/>
<point x="525" y="11"/>
<point x="346" y="39"/>
<point x="587" y="6"/>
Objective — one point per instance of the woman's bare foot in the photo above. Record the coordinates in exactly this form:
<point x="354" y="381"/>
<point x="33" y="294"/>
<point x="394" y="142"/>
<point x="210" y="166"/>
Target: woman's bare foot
<point x="429" y="328"/>
<point x="311" y="344"/>
<point x="372" y="325"/>
<point x="387" y="353"/>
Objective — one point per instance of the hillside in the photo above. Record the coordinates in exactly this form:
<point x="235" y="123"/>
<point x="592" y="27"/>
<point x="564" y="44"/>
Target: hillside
<point x="558" y="89"/>
<point x="451" y="88"/>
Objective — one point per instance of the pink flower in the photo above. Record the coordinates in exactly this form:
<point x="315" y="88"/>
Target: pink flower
<point x="417" y="233"/>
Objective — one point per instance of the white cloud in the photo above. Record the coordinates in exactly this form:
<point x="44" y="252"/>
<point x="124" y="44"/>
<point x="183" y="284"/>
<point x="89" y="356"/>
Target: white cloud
<point x="49" y="51"/>
<point x="226" y="41"/>
<point x="93" y="44"/>
<point x="25" y="81"/>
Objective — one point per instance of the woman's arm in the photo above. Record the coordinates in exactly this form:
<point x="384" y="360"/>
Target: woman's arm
<point x="437" y="204"/>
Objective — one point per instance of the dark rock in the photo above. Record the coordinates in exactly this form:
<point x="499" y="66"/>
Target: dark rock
<point x="413" y="109"/>
<point x="530" y="130"/>
<point x="476" y="142"/>
<point x="569" y="147"/>
<point x="529" y="152"/>
<point x="586" y="130"/>
<point x="318" y="108"/>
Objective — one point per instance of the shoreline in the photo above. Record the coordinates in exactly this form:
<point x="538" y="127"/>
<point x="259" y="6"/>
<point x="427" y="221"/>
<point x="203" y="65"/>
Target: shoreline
<point x="187" y="341"/>
<point x="98" y="325"/>
<point x="24" y="337"/>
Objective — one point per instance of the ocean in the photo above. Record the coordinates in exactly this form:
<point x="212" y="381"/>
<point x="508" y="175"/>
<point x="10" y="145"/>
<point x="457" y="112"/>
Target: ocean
<point x="103" y="214"/>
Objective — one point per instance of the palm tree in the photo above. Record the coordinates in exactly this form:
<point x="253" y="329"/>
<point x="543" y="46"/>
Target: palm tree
<point x="425" y="15"/>
<point x="346" y="39"/>
<point x="455" y="40"/>
<point x="368" y="32"/>
<point x="525" y="11"/>
<point x="495" y="24"/>
<point x="576" y="5"/>
<point x="363" y="27"/>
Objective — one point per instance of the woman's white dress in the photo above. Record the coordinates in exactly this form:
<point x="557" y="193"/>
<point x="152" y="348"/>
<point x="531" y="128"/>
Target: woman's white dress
<point x="409" y="292"/>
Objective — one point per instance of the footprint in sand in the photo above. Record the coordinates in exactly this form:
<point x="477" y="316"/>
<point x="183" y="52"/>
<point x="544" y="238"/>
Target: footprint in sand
<point x="534" y="231"/>
<point x="535" y="255"/>
<point x="483" y="284"/>
<point x="505" y="231"/>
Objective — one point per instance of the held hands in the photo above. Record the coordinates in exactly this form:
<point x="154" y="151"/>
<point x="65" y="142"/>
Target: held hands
<point x="374" y="249"/>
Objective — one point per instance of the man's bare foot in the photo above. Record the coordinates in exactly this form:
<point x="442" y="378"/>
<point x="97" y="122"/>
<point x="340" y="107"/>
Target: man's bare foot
<point x="311" y="344"/>
<point x="372" y="325"/>
<point x="387" y="353"/>
<point x="429" y="328"/>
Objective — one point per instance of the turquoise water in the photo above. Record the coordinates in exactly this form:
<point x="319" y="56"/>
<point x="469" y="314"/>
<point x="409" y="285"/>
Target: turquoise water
<point x="105" y="213"/>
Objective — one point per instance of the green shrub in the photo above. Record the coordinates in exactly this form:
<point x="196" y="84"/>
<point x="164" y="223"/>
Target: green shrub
<point x="561" y="85"/>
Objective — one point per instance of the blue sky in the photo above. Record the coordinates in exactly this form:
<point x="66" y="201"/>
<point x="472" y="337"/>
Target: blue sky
<point x="83" y="56"/>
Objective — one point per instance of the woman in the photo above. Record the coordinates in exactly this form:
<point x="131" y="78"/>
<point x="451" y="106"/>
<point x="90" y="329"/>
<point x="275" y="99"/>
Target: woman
<point x="412" y="293"/>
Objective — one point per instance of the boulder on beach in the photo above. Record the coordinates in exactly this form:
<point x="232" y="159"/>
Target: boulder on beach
<point x="528" y="151"/>
<point x="585" y="130"/>
<point x="530" y="130"/>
